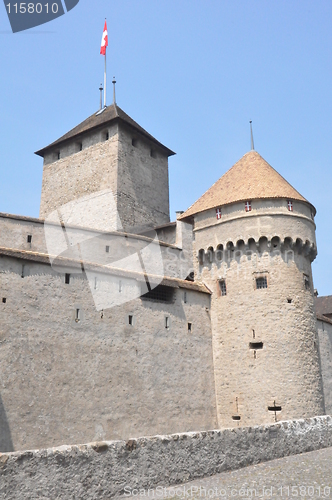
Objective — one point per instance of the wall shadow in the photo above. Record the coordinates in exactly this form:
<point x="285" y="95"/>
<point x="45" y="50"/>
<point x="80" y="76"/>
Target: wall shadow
<point x="6" y="443"/>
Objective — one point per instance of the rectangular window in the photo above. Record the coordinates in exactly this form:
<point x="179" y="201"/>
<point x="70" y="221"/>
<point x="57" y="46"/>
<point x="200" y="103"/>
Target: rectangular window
<point x="190" y="327"/>
<point x="77" y="315"/>
<point x="107" y="249"/>
<point x="185" y="297"/>
<point x="67" y="279"/>
<point x="222" y="287"/>
<point x="29" y="238"/>
<point x="261" y="282"/>
<point x="218" y="213"/>
<point x="290" y="205"/>
<point x="248" y="206"/>
<point x="134" y="142"/>
<point x="130" y="320"/>
<point x="4" y="300"/>
<point x="58" y="155"/>
<point x="167" y="322"/>
<point x="107" y="136"/>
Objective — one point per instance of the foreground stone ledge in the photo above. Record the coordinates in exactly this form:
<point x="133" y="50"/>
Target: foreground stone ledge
<point x="104" y="469"/>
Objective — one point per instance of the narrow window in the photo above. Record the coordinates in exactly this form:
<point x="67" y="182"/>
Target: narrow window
<point x="236" y="417"/>
<point x="167" y="322"/>
<point x="185" y="297"/>
<point x="80" y="146"/>
<point x="261" y="282"/>
<point x="120" y="286"/>
<point x="306" y="282"/>
<point x="134" y="142"/>
<point x="29" y="238"/>
<point x="67" y="279"/>
<point x="22" y="273"/>
<point x="77" y="315"/>
<point x="275" y="408"/>
<point x="107" y="249"/>
<point x="130" y="320"/>
<point x="190" y="327"/>
<point x="256" y="345"/>
<point x="290" y="205"/>
<point x="153" y="154"/>
<point x="247" y="206"/>
<point x="107" y="136"/>
<point x="222" y="287"/>
<point x="218" y="213"/>
<point x="58" y="155"/>
<point x="4" y="300"/>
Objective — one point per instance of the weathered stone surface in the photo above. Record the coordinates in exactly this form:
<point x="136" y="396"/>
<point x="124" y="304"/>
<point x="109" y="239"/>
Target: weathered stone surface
<point x="107" y="469"/>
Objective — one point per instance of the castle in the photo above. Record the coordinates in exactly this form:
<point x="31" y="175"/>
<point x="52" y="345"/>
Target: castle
<point x="117" y="323"/>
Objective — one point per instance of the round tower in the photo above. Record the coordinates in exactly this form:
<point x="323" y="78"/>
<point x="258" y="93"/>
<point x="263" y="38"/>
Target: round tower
<point x="254" y="244"/>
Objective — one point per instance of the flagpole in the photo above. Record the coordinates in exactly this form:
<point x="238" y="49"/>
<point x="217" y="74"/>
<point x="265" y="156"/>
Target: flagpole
<point x="105" y="82"/>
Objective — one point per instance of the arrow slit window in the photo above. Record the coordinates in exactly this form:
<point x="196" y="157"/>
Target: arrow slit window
<point x="247" y="206"/>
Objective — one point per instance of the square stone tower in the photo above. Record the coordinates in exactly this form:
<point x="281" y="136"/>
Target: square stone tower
<point x="109" y="151"/>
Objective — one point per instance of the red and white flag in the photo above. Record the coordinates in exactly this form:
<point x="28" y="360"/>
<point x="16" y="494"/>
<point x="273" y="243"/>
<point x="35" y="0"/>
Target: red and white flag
<point x="104" y="40"/>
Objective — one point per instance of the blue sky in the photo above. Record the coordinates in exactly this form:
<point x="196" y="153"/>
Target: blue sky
<point x="193" y="73"/>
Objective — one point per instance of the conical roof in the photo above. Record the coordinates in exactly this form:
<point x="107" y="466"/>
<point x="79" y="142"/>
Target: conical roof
<point x="251" y="178"/>
<point x="101" y="118"/>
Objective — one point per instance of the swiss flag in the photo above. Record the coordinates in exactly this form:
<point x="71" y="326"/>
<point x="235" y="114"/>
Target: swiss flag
<point x="104" y="40"/>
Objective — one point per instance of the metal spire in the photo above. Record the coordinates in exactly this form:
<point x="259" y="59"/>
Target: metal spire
<point x="114" y="82"/>
<point x="101" y="95"/>
<point x="251" y="136"/>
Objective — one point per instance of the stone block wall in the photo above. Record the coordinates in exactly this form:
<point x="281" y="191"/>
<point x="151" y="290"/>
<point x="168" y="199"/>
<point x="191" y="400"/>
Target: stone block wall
<point x="100" y="377"/>
<point x="325" y="349"/>
<point x="107" y="469"/>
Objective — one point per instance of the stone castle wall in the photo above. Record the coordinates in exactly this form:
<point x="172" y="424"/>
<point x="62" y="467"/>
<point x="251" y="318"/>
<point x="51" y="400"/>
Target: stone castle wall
<point x="325" y="348"/>
<point x="100" y="377"/>
<point x="283" y="370"/>
<point x="135" y="172"/>
<point x="80" y="173"/>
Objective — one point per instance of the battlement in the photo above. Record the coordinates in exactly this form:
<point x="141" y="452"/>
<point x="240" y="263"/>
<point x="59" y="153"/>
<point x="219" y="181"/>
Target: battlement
<point x="275" y="246"/>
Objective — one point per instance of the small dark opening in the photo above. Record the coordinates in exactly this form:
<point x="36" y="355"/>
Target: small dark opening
<point x="80" y="146"/>
<point x="58" y="155"/>
<point x="107" y="136"/>
<point x="29" y="238"/>
<point x="167" y="322"/>
<point x="160" y="294"/>
<point x="236" y="417"/>
<point x="189" y="327"/>
<point x="222" y="287"/>
<point x="107" y="249"/>
<point x="274" y="408"/>
<point x="4" y="300"/>
<point x="77" y="315"/>
<point x="255" y="345"/>
<point x="289" y="301"/>
<point x="261" y="282"/>
<point x="153" y="153"/>
<point x="134" y="142"/>
<point x="130" y="319"/>
<point x="67" y="279"/>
